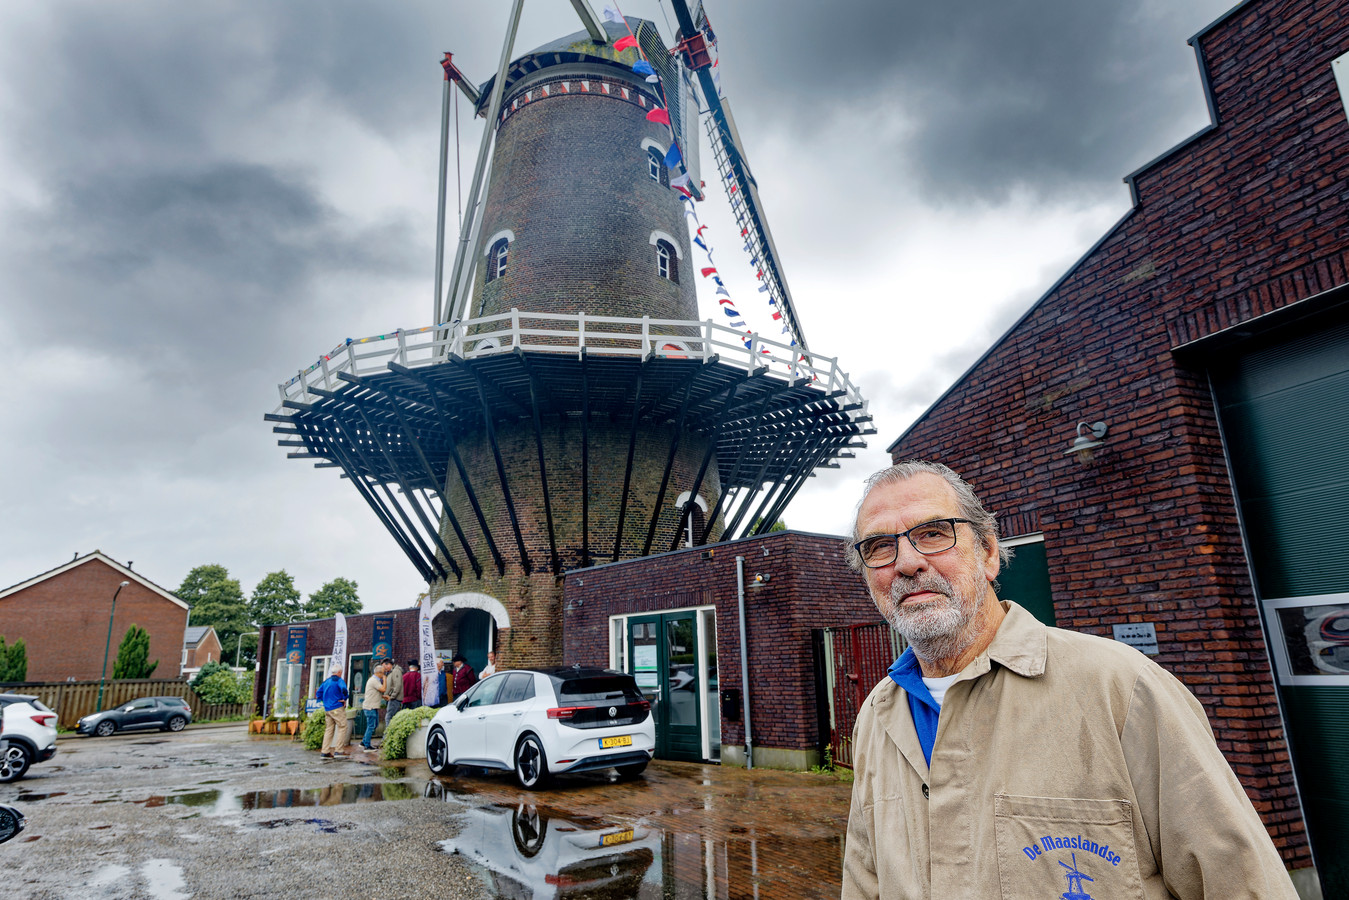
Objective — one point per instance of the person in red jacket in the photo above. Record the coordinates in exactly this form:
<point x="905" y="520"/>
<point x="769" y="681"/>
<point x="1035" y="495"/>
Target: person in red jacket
<point x="464" y="676"/>
<point x="412" y="686"/>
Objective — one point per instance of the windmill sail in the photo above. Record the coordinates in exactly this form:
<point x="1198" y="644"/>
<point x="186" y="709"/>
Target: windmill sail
<point x="739" y="182"/>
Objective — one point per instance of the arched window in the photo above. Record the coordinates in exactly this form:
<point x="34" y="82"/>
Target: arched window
<point x="667" y="262"/>
<point x="497" y="257"/>
<point x="655" y="166"/>
<point x="695" y="518"/>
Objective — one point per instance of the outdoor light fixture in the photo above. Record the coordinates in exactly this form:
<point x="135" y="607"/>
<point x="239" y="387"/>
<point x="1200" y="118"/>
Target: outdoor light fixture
<point x="106" y="644"/>
<point x="762" y="578"/>
<point x="1083" y="444"/>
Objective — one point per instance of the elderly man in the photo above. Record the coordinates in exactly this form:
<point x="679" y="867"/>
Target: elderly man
<point x="332" y="693"/>
<point x="1002" y="757"/>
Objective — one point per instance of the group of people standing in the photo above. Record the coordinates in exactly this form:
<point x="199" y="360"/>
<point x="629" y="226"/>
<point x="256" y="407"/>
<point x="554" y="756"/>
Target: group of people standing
<point x="389" y="687"/>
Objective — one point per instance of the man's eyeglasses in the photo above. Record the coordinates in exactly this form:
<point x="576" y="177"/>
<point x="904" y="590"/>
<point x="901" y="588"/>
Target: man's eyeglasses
<point x="936" y="536"/>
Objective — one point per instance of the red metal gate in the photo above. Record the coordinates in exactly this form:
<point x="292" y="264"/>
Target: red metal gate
<point x="856" y="658"/>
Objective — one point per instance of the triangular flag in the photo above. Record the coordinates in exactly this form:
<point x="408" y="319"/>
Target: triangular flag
<point x="674" y="157"/>
<point x="722" y="290"/>
<point x="699" y="242"/>
<point x="683" y="190"/>
<point x="658" y="115"/>
<point x="652" y="79"/>
<point x="624" y="43"/>
<point x="701" y="228"/>
<point x="642" y="67"/>
<point x="709" y="270"/>
<point x="680" y="181"/>
<point x="611" y="14"/>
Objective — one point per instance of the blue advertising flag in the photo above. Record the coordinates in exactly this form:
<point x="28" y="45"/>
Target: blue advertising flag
<point x="295" y="641"/>
<point x="381" y="643"/>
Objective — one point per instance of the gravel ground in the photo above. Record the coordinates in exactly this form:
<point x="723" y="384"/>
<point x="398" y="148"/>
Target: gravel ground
<point x="216" y="812"/>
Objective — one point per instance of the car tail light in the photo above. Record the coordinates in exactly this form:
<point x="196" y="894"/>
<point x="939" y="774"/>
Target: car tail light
<point x="44" y="719"/>
<point x="565" y="712"/>
<point x="641" y="704"/>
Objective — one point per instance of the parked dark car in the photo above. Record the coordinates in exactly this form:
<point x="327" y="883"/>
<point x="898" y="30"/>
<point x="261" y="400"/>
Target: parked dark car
<point x="164" y="713"/>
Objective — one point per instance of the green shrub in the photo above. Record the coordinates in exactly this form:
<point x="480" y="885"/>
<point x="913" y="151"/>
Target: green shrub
<point x="222" y="686"/>
<point x="312" y="733"/>
<point x="396" y="733"/>
<point x="207" y="671"/>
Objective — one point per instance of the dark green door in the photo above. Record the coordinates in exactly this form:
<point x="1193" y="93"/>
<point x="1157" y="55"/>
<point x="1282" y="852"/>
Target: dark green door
<point x="475" y="631"/>
<point x="662" y="654"/>
<point x="1025" y="580"/>
<point x="1283" y="406"/>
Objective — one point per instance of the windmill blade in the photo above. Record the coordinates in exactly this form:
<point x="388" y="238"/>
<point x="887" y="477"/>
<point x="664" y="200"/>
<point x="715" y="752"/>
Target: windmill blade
<point x="740" y="184"/>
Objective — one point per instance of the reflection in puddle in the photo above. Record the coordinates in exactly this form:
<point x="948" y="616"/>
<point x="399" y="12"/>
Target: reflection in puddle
<point x="532" y="853"/>
<point x="322" y="825"/>
<point x="192" y="798"/>
<point x="26" y="797"/>
<point x="332" y="795"/>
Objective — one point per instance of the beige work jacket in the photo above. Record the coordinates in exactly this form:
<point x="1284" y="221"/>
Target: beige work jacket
<point x="1065" y="766"/>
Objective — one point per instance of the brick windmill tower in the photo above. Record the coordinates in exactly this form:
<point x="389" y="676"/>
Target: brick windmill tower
<point x="568" y="408"/>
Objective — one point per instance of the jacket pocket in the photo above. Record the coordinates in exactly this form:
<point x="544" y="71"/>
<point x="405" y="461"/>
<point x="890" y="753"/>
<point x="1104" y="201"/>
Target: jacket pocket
<point x="1063" y="847"/>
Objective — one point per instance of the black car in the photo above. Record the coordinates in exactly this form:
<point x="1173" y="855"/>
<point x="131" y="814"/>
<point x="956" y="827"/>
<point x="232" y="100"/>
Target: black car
<point x="164" y="713"/>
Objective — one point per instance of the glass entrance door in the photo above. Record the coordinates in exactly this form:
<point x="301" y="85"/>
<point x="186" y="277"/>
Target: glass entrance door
<point x="663" y="658"/>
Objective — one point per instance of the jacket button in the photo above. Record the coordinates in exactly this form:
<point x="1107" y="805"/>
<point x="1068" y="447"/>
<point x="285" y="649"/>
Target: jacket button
<point x="924" y="790"/>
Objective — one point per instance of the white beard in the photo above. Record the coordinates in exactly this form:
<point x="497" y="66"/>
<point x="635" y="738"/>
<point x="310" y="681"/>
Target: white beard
<point x="934" y="630"/>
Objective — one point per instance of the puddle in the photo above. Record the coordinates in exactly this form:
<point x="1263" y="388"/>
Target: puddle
<point x="332" y="795"/>
<point x="191" y="798"/>
<point x="164" y="880"/>
<point x="531" y="851"/>
<point x="321" y="825"/>
<point x="213" y="781"/>
<point x="30" y="798"/>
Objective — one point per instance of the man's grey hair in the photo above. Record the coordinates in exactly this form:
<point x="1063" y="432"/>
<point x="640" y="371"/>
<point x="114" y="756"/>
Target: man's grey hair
<point x="985" y="524"/>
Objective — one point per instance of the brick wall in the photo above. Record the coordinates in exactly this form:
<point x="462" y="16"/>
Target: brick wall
<point x="1243" y="219"/>
<point x="63" y="620"/>
<point x="810" y="587"/>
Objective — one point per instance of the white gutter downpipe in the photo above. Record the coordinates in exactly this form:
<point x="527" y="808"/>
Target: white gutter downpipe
<point x="744" y="661"/>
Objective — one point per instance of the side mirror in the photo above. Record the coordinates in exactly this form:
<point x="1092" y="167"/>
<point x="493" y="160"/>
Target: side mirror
<point x="11" y="822"/>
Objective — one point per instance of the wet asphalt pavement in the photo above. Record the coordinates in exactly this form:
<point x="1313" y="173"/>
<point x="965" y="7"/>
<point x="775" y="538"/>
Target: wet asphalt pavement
<point x="216" y="812"/>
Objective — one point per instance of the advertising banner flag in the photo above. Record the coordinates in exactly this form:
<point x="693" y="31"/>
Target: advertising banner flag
<point x="295" y="641"/>
<point x="430" y="683"/>
<point x="381" y="644"/>
<point x="339" y="659"/>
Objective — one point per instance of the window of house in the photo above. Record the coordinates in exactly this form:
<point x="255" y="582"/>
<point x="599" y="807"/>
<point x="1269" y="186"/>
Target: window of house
<point x="667" y="263"/>
<point x="497" y="257"/>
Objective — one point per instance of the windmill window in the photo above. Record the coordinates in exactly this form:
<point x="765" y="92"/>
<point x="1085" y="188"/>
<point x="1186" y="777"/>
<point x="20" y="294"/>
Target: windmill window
<point x="655" y="166"/>
<point x="667" y="263"/>
<point x="497" y="258"/>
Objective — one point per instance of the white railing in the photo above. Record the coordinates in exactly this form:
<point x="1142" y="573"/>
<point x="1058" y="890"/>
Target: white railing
<point x="567" y="334"/>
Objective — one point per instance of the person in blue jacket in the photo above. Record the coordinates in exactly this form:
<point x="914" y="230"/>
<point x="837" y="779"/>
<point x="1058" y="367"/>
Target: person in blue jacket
<point x="332" y="693"/>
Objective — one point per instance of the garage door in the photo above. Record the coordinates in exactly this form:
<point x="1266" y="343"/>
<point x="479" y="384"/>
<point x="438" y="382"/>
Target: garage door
<point x="1284" y="406"/>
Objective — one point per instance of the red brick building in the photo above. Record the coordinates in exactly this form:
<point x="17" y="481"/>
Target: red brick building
<point x="200" y="646"/>
<point x="682" y="611"/>
<point x="62" y="616"/>
<point x="1203" y="345"/>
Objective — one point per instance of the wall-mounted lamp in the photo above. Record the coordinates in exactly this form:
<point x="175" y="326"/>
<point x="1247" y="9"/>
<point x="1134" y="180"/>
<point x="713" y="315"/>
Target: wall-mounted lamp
<point x="762" y="578"/>
<point x="1083" y="444"/>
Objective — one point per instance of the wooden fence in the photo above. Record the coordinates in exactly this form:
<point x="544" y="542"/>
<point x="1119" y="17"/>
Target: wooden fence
<point x="72" y="700"/>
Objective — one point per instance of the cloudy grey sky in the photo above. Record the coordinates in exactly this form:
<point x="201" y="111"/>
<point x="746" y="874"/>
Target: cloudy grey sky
<point x="198" y="199"/>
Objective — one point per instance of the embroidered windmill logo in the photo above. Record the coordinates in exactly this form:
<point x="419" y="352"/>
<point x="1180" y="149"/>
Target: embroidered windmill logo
<point x="1075" y="879"/>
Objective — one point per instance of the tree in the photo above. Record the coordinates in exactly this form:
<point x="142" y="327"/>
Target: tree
<point x="133" y="655"/>
<point x="217" y="600"/>
<point x="275" y="600"/>
<point x="13" y="661"/>
<point x="337" y="596"/>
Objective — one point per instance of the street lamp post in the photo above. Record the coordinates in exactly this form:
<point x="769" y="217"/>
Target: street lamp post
<point x="107" y="644"/>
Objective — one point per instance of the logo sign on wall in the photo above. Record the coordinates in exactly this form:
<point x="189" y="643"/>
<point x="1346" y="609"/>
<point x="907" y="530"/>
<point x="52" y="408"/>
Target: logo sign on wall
<point x="382" y="642"/>
<point x="295" y="640"/>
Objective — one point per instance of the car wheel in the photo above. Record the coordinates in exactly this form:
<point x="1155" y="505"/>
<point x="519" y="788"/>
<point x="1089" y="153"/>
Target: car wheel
<point x="14" y="763"/>
<point x="531" y="765"/>
<point x="438" y="752"/>
<point x="177" y="723"/>
<point x="632" y="771"/>
<point x="105" y="728"/>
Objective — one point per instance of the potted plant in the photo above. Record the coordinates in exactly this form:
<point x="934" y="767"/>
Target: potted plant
<point x="406" y="735"/>
<point x="255" y="725"/>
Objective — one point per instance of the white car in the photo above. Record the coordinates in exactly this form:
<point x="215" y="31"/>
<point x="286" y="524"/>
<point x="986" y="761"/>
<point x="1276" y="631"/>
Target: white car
<point x="28" y="732"/>
<point x="543" y="722"/>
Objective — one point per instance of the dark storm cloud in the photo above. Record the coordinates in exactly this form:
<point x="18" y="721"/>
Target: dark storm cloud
<point x="1051" y="94"/>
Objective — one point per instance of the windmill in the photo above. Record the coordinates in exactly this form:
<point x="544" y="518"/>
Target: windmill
<point x="566" y="406"/>
<point x="1075" y="879"/>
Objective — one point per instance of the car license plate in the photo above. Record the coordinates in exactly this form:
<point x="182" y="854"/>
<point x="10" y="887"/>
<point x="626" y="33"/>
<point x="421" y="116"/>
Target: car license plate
<point x="618" y="837"/>
<point x="622" y="740"/>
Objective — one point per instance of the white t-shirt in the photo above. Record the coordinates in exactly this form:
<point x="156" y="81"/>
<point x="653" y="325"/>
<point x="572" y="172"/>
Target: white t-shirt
<point x="937" y="686"/>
